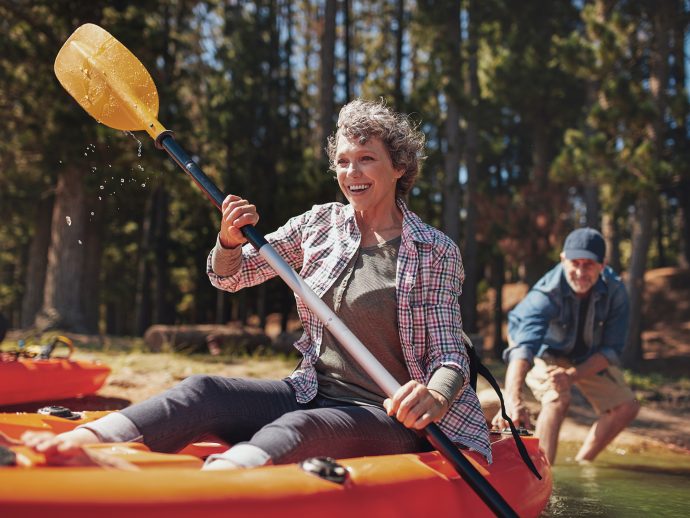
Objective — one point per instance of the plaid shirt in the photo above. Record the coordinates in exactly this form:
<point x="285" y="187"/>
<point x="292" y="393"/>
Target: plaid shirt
<point x="320" y="243"/>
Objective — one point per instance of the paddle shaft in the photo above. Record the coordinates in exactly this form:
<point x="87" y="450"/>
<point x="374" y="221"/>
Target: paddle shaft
<point x="345" y="337"/>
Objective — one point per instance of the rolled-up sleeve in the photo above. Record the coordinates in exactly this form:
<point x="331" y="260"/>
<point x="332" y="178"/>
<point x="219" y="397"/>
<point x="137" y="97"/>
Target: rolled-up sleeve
<point x="527" y="326"/>
<point x="251" y="268"/>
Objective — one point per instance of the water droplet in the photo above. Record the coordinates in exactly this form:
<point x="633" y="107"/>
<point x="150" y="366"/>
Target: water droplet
<point x="92" y="213"/>
<point x="122" y="180"/>
<point x="143" y="185"/>
<point x="138" y="142"/>
<point x="68" y="220"/>
<point x="100" y="198"/>
<point x="80" y="242"/>
<point x="102" y="187"/>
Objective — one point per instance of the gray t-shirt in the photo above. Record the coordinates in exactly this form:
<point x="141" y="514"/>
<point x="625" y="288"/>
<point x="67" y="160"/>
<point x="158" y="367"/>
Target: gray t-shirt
<point x="364" y="299"/>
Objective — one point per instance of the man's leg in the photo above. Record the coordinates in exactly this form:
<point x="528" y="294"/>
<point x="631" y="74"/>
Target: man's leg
<point x="606" y="428"/>
<point x="549" y="425"/>
<point x="615" y="404"/>
<point x="555" y="401"/>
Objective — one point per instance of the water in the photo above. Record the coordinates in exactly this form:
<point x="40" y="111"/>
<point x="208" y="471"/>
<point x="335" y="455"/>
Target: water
<point x="650" y="482"/>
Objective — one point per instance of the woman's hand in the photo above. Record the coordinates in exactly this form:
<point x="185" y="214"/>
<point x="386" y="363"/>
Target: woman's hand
<point x="415" y="406"/>
<point x="237" y="213"/>
<point x="61" y="448"/>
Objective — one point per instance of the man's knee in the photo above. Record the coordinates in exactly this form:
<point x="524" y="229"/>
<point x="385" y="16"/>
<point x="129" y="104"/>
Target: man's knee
<point x="626" y="411"/>
<point x="558" y="403"/>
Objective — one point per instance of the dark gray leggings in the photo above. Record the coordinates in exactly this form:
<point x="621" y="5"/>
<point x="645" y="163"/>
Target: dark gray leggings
<point x="267" y="415"/>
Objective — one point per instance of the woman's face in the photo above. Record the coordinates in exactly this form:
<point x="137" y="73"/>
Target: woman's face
<point x="366" y="174"/>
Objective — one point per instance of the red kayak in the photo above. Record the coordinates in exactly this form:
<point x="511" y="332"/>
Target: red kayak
<point x="171" y="485"/>
<point x="42" y="378"/>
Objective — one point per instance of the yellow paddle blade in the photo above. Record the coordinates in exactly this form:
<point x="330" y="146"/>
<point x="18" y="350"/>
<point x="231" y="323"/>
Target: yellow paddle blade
<point x="108" y="81"/>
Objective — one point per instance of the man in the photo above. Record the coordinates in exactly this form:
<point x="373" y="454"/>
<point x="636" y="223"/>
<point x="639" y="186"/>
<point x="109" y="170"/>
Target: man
<point x="569" y="330"/>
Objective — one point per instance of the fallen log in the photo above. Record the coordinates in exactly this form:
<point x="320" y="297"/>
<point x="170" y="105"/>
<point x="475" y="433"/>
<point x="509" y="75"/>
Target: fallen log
<point x="209" y="338"/>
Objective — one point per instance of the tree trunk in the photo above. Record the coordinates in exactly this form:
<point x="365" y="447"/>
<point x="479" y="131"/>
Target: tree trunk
<point x="497" y="282"/>
<point x="682" y="143"/>
<point x="143" y="311"/>
<point x="641" y="239"/>
<point x="165" y="313"/>
<point x="659" y="234"/>
<point x="537" y="240"/>
<point x="37" y="263"/>
<point x="348" y="47"/>
<point x="451" y="60"/>
<point x="93" y="249"/>
<point x="400" y="20"/>
<point x="609" y="227"/>
<point x="470" y="254"/>
<point x="327" y="74"/>
<point x="684" y="220"/>
<point x="62" y="305"/>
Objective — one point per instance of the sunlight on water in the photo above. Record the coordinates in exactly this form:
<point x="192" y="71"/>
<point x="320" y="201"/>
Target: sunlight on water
<point x="647" y="483"/>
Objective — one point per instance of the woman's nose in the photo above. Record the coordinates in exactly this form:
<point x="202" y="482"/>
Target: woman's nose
<point x="353" y="169"/>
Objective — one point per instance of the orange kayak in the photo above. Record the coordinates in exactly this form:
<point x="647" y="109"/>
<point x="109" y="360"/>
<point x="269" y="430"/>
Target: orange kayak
<point x="171" y="485"/>
<point x="26" y="379"/>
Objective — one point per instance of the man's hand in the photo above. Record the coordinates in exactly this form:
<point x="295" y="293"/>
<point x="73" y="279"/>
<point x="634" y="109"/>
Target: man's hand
<point x="561" y="378"/>
<point x="515" y="407"/>
<point x="518" y="413"/>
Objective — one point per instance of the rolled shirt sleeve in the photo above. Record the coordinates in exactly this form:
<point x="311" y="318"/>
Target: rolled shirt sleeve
<point x="527" y="326"/>
<point x="225" y="261"/>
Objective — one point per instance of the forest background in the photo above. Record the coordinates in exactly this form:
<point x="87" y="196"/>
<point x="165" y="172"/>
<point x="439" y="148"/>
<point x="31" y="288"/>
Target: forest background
<point x="540" y="117"/>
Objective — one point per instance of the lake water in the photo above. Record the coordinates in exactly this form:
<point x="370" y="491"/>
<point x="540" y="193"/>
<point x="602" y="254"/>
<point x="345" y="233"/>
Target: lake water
<point x="650" y="483"/>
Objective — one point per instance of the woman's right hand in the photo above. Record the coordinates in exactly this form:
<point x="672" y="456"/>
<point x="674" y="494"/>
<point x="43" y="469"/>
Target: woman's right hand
<point x="237" y="213"/>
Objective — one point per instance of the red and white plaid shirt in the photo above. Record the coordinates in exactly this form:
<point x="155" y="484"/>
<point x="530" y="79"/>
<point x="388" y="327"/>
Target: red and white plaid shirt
<point x="320" y="243"/>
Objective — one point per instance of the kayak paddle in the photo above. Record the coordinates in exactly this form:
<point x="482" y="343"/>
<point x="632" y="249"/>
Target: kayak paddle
<point x="112" y="85"/>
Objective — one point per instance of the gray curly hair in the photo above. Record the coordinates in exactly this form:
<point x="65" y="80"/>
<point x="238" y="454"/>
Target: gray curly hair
<point x="363" y="120"/>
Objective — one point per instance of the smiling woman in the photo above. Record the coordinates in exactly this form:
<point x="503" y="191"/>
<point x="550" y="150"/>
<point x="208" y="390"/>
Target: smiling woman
<point x="393" y="280"/>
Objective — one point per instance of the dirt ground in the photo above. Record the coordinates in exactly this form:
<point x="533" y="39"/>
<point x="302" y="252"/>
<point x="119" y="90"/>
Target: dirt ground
<point x="663" y="419"/>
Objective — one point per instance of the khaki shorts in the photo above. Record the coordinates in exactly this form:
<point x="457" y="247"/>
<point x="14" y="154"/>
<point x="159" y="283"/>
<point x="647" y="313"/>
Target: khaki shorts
<point x="604" y="391"/>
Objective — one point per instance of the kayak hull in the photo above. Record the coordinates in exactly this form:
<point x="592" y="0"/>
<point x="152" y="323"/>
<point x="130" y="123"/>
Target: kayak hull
<point x="27" y="380"/>
<point x="171" y="485"/>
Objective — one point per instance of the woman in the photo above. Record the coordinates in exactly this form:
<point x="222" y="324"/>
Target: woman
<point x="392" y="279"/>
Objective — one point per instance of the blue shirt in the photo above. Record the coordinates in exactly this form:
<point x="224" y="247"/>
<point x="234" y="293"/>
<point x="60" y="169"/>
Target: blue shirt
<point x="546" y="320"/>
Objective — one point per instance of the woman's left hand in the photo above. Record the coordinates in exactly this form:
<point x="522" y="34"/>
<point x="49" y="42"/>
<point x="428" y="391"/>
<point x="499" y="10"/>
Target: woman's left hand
<point x="415" y="406"/>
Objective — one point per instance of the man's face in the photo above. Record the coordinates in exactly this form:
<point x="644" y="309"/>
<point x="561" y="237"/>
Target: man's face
<point x="581" y="274"/>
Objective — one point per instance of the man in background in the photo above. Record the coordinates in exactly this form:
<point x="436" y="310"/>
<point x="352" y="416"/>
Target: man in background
<point x="569" y="330"/>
